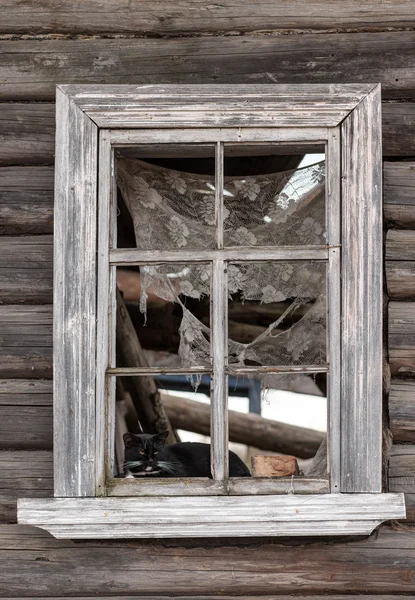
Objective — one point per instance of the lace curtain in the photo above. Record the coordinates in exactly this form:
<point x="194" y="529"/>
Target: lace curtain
<point x="173" y="210"/>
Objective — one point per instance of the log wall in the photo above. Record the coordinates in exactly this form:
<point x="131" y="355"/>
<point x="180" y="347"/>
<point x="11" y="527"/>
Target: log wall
<point x="136" y="41"/>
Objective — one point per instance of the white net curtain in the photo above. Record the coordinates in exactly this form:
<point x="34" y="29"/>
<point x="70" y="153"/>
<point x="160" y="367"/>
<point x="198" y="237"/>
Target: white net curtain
<point x="175" y="210"/>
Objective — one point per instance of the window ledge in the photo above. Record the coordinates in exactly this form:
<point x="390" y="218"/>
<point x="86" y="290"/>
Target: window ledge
<point x="231" y="516"/>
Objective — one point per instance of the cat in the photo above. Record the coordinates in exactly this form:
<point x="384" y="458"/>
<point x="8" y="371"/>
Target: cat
<point x="145" y="455"/>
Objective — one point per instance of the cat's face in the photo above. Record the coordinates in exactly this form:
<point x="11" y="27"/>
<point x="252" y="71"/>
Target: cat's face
<point x="141" y="454"/>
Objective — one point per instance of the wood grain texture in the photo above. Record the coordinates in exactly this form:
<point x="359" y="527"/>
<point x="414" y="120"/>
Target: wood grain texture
<point x="27" y="133"/>
<point x="22" y="473"/>
<point x="26" y="427"/>
<point x="30" y="71"/>
<point x="400" y="245"/>
<point x="400" y="279"/>
<point x="361" y="335"/>
<point x="399" y="193"/>
<point x="26" y="341"/>
<point x="402" y="338"/>
<point x="381" y="564"/>
<point x="26" y="200"/>
<point x="74" y="314"/>
<point x="25" y="392"/>
<point x="26" y="269"/>
<point x="190" y="17"/>
<point x="210" y="516"/>
<point x="402" y="475"/>
<point x="402" y="410"/>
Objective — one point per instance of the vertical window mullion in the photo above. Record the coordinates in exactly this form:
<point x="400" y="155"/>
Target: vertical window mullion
<point x="219" y="393"/>
<point x="333" y="217"/>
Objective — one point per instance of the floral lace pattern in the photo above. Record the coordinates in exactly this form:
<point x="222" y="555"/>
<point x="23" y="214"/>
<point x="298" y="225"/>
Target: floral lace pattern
<point x="173" y="210"/>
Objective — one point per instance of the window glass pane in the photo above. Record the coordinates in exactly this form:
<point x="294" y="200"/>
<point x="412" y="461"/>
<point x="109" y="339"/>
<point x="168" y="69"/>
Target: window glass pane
<point x="277" y="313"/>
<point x="140" y="451"/>
<point x="278" y="201"/>
<point x="166" y="197"/>
<point x="279" y="422"/>
<point x="169" y="306"/>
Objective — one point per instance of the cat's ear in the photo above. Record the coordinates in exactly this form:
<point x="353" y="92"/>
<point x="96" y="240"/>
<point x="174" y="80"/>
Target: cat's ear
<point x="161" y="437"/>
<point x="130" y="440"/>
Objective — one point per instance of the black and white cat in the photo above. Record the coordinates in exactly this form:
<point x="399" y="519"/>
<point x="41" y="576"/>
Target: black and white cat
<point x="145" y="455"/>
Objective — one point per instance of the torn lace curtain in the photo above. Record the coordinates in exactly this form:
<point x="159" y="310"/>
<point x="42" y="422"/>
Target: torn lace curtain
<point x="173" y="210"/>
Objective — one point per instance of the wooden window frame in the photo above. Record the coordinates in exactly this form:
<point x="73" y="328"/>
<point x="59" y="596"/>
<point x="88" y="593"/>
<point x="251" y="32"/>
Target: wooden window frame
<point x="93" y="120"/>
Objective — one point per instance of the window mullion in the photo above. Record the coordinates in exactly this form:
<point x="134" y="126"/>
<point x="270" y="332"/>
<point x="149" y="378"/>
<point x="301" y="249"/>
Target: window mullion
<point x="333" y="212"/>
<point x="219" y="393"/>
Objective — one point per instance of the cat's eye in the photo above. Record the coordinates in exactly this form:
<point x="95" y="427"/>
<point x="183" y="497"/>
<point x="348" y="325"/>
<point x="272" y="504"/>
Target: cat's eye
<point x="155" y="453"/>
<point x="141" y="451"/>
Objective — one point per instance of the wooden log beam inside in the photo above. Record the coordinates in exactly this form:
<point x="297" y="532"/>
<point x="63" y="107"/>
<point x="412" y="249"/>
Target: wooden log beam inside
<point x="145" y="394"/>
<point x="248" y="429"/>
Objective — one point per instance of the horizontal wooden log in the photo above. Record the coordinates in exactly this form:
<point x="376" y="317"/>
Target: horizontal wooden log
<point x="402" y="475"/>
<point x="402" y="338"/>
<point x="402" y="409"/>
<point x="26" y="269"/>
<point x="26" y="341"/>
<point x="400" y="245"/>
<point x="27" y="133"/>
<point x="190" y="17"/>
<point x="399" y="193"/>
<point x="33" y="560"/>
<point x="30" y="70"/>
<point x="245" y="429"/>
<point x="26" y="200"/>
<point x="400" y="279"/>
<point x="26" y="428"/>
<point x="23" y="474"/>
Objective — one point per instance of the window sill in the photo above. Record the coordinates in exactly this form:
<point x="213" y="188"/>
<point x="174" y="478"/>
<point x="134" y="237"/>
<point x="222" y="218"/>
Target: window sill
<point x="226" y="516"/>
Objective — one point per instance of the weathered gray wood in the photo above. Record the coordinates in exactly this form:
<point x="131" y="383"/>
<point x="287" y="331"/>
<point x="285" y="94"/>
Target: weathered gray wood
<point x="400" y="263"/>
<point x="195" y="18"/>
<point x="26" y="271"/>
<point x="26" y="341"/>
<point x="249" y="429"/>
<point x="132" y="256"/>
<point x="400" y="279"/>
<point x="210" y="516"/>
<point x="26" y="200"/>
<point x="74" y="300"/>
<point x="400" y="245"/>
<point x="241" y="106"/>
<point x="402" y="410"/>
<point x="402" y="475"/>
<point x="219" y="386"/>
<point x="329" y="456"/>
<point x="398" y="120"/>
<point x="234" y="486"/>
<point x="31" y="72"/>
<point x="27" y="133"/>
<point x="26" y="427"/>
<point x="402" y="338"/>
<point x="25" y="392"/>
<point x="381" y="564"/>
<point x="23" y="474"/>
<point x="361" y="414"/>
<point x="399" y="193"/>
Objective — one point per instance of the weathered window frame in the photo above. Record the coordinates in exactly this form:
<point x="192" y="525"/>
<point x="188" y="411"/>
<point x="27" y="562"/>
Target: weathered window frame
<point x="91" y="121"/>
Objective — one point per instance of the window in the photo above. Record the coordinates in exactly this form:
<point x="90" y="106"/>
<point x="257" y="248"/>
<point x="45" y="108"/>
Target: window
<point x="307" y="247"/>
